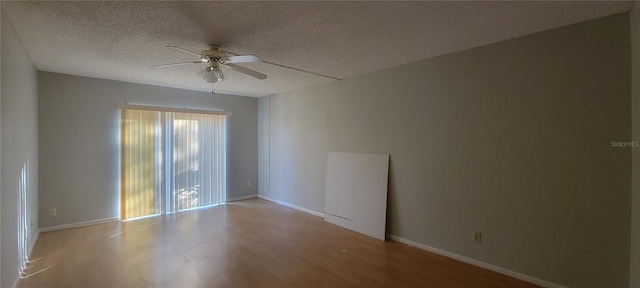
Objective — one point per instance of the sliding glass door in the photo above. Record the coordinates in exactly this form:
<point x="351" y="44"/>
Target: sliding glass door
<point x="171" y="161"/>
<point x="198" y="161"/>
<point x="141" y="150"/>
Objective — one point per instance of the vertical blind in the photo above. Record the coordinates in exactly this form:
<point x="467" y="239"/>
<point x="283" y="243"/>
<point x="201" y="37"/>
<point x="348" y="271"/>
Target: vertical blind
<point x="23" y="228"/>
<point x="171" y="161"/>
<point x="141" y="163"/>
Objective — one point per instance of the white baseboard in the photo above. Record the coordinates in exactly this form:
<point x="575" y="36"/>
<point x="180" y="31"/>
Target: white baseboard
<point x="475" y="262"/>
<point x="468" y="260"/>
<point x="79" y="224"/>
<point x="242" y="198"/>
<point x="305" y="210"/>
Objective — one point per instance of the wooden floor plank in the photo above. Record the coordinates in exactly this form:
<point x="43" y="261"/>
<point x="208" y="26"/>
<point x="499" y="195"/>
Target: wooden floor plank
<point x="251" y="243"/>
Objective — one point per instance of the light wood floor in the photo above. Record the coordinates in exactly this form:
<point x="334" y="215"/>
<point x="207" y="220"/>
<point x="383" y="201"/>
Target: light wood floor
<point x="252" y="243"/>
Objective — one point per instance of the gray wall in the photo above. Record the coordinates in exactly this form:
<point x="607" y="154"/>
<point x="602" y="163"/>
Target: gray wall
<point x="79" y="142"/>
<point x="299" y="140"/>
<point x="19" y="119"/>
<point x="635" y="92"/>
<point x="510" y="139"/>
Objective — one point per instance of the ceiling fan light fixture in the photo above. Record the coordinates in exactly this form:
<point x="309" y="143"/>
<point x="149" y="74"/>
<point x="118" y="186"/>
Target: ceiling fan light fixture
<point x="214" y="74"/>
<point x="218" y="74"/>
<point x="210" y="78"/>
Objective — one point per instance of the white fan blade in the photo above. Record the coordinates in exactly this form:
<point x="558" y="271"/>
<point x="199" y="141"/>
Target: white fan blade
<point x="247" y="71"/>
<point x="227" y="52"/>
<point x="185" y="50"/>
<point x="176" y="64"/>
<point x="301" y="70"/>
<point x="240" y="59"/>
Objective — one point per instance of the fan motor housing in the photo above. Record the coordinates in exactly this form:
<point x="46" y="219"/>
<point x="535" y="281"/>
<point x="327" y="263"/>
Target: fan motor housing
<point x="214" y="52"/>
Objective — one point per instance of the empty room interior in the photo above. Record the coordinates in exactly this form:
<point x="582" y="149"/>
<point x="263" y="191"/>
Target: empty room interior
<point x="320" y="144"/>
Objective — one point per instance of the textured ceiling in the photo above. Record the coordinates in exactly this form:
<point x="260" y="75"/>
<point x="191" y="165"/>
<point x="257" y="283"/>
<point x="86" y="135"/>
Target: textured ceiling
<point x="120" y="40"/>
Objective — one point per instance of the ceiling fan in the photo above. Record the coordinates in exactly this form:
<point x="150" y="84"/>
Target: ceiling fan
<point x="215" y="57"/>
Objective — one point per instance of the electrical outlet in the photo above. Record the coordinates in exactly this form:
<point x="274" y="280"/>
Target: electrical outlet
<point x="248" y="183"/>
<point x="52" y="212"/>
<point x="477" y="237"/>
